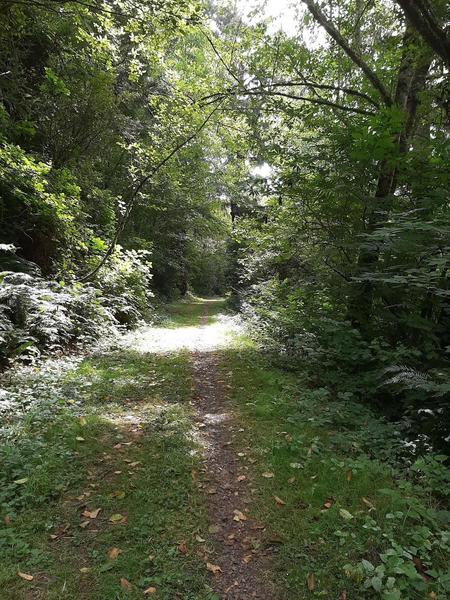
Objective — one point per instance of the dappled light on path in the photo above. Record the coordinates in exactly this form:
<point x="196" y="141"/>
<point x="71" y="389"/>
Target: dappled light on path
<point x="207" y="338"/>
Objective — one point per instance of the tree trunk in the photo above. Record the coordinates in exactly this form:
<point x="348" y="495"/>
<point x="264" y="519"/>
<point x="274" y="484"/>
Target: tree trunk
<point x="410" y="81"/>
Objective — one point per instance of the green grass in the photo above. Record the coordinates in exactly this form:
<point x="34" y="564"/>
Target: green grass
<point x="343" y="502"/>
<point x="115" y="433"/>
<point x="79" y="457"/>
<point x="187" y="314"/>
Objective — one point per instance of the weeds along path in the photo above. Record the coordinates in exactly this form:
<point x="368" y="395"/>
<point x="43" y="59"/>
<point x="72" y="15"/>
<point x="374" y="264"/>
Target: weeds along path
<point x="179" y="465"/>
<point x="119" y="478"/>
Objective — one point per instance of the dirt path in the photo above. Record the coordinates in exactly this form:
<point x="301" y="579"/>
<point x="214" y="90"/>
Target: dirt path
<point x="242" y="555"/>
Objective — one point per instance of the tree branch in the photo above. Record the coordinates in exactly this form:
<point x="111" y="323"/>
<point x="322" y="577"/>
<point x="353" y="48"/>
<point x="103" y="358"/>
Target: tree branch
<point x="217" y="53"/>
<point x="323" y="86"/>
<point x="420" y="16"/>
<point x="354" y="56"/>
<point x="211" y="98"/>
<point x="129" y="207"/>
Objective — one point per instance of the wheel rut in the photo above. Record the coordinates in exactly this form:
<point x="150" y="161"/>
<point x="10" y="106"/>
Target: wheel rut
<point x="242" y="561"/>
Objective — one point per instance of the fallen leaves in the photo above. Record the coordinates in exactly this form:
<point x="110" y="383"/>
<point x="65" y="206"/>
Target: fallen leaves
<point x="267" y="475"/>
<point x="60" y="531"/>
<point x="241" y="478"/>
<point x="125" y="584"/>
<point x="117" y="518"/>
<point x="327" y="504"/>
<point x="182" y="549"/>
<point x="369" y="504"/>
<point x="119" y="494"/>
<point x="213" y="568"/>
<point x="279" y="501"/>
<point x="85" y="570"/>
<point x="91" y="514"/>
<point x="80" y="439"/>
<point x="239" y="516"/>
<point x="345" y="514"/>
<point x="21" y="481"/>
<point x="149" y="591"/>
<point x="113" y="553"/>
<point x="25" y="576"/>
<point x="349" y="475"/>
<point x="310" y="581"/>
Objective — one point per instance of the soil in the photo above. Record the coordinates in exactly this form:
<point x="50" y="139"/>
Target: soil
<point x="243" y="551"/>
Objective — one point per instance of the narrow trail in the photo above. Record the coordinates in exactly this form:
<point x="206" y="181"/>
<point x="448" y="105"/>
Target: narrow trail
<point x="178" y="465"/>
<point x="243" y="561"/>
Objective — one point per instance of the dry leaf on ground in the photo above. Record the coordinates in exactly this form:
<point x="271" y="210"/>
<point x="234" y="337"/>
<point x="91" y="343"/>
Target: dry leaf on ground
<point x="150" y="590"/>
<point x="116" y="518"/>
<point x="114" y="553"/>
<point x="213" y="568"/>
<point x="125" y="584"/>
<point x="310" y="581"/>
<point x="239" y="516"/>
<point x="279" y="501"/>
<point x="368" y="503"/>
<point x="91" y="514"/>
<point x="25" y="576"/>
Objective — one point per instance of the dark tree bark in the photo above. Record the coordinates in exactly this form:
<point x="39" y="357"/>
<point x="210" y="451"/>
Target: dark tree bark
<point x="413" y="68"/>
<point x="411" y="80"/>
<point x="420" y="15"/>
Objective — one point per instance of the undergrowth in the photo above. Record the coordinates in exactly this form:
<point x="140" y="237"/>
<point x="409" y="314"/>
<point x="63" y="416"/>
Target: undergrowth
<point x="356" y="515"/>
<point x="110" y="432"/>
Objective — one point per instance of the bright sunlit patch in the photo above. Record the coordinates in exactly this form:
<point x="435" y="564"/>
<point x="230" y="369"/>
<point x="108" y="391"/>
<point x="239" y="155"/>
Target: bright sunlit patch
<point x="160" y="340"/>
<point x="286" y="16"/>
<point x="264" y="170"/>
<point x="282" y="14"/>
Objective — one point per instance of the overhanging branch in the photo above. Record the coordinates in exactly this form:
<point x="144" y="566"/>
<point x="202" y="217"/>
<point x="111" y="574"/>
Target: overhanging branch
<point x="129" y="207"/>
<point x="352" y="54"/>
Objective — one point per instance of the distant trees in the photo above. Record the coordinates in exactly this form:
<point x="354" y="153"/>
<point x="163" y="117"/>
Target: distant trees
<point x="350" y="266"/>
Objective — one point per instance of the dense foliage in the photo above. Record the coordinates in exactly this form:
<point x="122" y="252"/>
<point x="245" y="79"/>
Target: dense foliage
<point x="140" y="124"/>
<point x="342" y="251"/>
<point x="154" y="149"/>
<point x="101" y="143"/>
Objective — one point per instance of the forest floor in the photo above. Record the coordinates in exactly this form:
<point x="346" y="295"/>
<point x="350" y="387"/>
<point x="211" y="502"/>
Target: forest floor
<point x="178" y="465"/>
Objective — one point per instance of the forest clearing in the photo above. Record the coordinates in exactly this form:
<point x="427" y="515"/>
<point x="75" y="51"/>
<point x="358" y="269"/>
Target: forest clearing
<point x="224" y="300"/>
